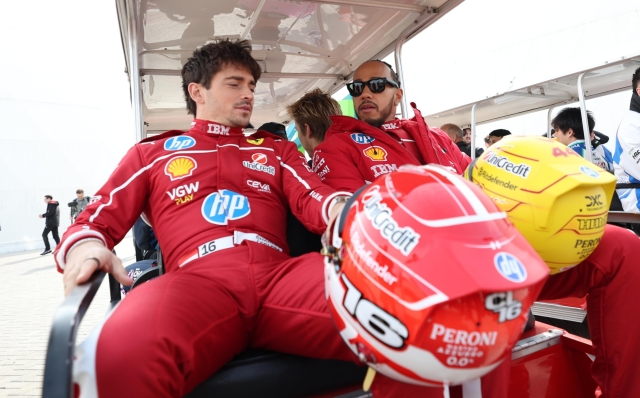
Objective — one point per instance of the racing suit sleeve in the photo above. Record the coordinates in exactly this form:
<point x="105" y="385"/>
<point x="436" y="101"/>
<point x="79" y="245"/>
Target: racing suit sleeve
<point x="114" y="209"/>
<point x="628" y="138"/>
<point x="334" y="163"/>
<point x="309" y="199"/>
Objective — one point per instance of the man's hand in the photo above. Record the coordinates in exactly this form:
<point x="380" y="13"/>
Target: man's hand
<point x="335" y="212"/>
<point x="40" y="215"/>
<point x="88" y="257"/>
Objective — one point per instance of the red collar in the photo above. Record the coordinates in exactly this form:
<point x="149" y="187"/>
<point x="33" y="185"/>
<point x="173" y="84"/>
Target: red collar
<point x="394" y="124"/>
<point x="213" y="128"/>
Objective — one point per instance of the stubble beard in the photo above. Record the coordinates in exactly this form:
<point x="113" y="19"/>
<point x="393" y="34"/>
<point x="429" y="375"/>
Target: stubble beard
<point x="237" y="120"/>
<point x="384" y="115"/>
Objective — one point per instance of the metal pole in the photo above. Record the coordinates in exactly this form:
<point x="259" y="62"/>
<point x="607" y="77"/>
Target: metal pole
<point x="549" y="122"/>
<point x="398" y="57"/>
<point x="134" y="71"/>
<point x="473" y="131"/>
<point x="585" y="122"/>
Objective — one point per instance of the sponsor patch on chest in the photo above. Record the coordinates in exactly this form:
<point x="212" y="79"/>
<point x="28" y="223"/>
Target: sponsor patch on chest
<point x="184" y="193"/>
<point x="180" y="167"/>
<point x="259" y="162"/>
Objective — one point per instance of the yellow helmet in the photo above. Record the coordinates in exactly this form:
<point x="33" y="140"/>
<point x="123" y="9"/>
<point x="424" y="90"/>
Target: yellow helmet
<point x="557" y="200"/>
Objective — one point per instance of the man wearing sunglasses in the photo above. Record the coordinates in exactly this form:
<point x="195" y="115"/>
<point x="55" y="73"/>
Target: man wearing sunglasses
<point x="356" y="151"/>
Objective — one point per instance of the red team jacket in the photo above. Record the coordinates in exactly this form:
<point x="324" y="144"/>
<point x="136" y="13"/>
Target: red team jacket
<point x="377" y="151"/>
<point x="208" y="183"/>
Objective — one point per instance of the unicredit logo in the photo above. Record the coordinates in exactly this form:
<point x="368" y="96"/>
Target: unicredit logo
<point x="404" y="239"/>
<point x="501" y="162"/>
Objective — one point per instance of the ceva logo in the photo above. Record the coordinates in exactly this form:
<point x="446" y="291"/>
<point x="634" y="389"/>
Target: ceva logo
<point x="510" y="267"/>
<point x="225" y="205"/>
<point x="179" y="142"/>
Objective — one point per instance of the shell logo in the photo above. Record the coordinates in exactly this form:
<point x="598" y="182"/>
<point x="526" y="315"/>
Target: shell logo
<point x="375" y="153"/>
<point x="180" y="167"/>
<point x="260" y="158"/>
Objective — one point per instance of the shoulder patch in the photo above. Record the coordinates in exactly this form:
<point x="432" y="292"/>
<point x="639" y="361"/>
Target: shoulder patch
<point x="361" y="138"/>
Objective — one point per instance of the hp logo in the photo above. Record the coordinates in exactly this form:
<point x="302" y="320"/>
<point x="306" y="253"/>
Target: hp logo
<point x="179" y="142"/>
<point x="510" y="267"/>
<point x="225" y="205"/>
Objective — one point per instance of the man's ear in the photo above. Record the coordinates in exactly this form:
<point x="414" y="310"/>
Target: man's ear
<point x="398" y="96"/>
<point x="638" y="90"/>
<point x="570" y="132"/>
<point x="196" y="92"/>
<point x="307" y="130"/>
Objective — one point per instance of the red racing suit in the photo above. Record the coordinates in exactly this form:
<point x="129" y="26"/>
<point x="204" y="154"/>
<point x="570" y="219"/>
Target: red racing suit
<point x="217" y="201"/>
<point x="608" y="278"/>
<point x="376" y="151"/>
<point x="199" y="186"/>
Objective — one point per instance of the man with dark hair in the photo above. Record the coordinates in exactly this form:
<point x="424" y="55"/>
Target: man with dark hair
<point x="355" y="152"/>
<point x="217" y="202"/>
<point x="51" y="223"/>
<point x="467" y="135"/>
<point x="567" y="128"/>
<point x="626" y="158"/>
<point x="497" y="135"/>
<point x="312" y="116"/>
<point x="567" y="125"/>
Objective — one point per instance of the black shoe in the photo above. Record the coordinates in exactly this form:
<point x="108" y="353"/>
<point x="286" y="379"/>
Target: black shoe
<point x="45" y="252"/>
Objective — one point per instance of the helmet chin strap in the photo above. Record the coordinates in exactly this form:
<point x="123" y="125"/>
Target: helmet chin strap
<point x="446" y="391"/>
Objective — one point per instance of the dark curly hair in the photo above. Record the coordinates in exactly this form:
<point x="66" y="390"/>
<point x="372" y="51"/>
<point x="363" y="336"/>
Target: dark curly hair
<point x="210" y="59"/>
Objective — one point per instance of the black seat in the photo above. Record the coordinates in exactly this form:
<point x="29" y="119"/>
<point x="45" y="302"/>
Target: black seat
<point x="260" y="373"/>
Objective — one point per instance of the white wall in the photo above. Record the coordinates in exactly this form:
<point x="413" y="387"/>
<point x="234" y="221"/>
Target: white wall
<point x="65" y="118"/>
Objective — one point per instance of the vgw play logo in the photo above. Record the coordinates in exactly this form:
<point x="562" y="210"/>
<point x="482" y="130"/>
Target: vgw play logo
<point x="225" y="205"/>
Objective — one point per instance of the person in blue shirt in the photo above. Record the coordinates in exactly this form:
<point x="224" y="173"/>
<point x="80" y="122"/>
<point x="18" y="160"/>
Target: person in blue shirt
<point x="567" y="128"/>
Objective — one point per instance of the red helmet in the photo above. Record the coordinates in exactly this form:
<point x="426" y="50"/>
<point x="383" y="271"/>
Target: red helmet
<point x="429" y="283"/>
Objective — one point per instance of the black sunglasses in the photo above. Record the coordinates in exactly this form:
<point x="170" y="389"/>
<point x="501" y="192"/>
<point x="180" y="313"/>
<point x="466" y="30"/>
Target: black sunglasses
<point x="376" y="86"/>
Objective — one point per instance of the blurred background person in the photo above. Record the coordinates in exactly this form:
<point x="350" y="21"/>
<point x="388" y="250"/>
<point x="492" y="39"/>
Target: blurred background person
<point x="51" y="223"/>
<point x="78" y="204"/>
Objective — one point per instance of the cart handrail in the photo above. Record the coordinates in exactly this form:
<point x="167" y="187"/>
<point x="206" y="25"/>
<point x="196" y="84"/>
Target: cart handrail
<point x="60" y="351"/>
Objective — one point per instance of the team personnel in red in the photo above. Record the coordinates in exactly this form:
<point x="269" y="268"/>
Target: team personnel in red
<point x="356" y="152"/>
<point x="217" y="201"/>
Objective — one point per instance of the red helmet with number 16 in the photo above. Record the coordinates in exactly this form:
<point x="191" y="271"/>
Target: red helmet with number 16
<point x="429" y="283"/>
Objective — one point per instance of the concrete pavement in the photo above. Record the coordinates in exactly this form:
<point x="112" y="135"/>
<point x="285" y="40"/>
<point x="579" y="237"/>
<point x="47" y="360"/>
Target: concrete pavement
<point x="30" y="293"/>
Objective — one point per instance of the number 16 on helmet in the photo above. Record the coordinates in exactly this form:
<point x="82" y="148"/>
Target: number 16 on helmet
<point x="430" y="283"/>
